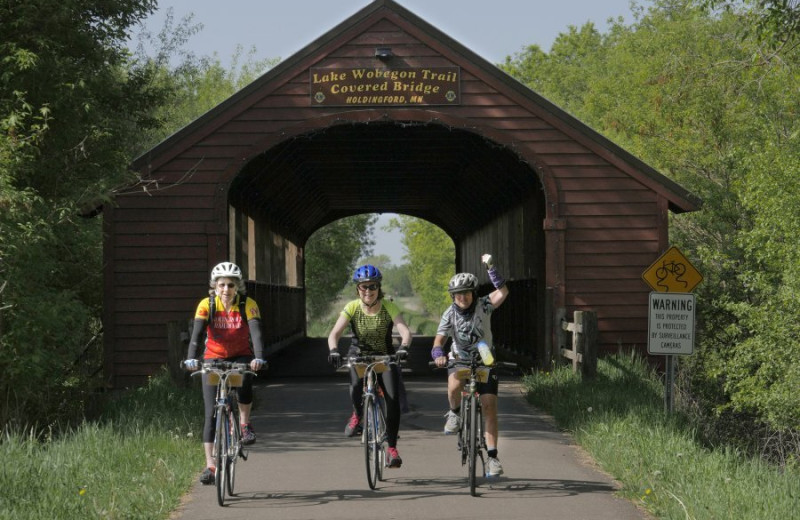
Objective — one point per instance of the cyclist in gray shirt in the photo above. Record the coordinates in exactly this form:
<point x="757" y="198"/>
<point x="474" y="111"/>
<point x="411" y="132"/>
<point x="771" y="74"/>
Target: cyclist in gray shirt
<point x="468" y="322"/>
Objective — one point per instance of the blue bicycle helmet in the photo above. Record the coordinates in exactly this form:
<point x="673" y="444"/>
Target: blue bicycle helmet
<point x="367" y="273"/>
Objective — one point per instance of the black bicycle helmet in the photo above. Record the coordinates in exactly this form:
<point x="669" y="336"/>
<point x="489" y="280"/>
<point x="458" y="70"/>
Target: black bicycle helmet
<point x="367" y="273"/>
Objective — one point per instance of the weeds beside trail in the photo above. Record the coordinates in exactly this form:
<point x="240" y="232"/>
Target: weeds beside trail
<point x="619" y="419"/>
<point x="135" y="463"/>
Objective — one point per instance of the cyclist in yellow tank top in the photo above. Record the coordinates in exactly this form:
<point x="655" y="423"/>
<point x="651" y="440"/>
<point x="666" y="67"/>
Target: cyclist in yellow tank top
<point x="371" y="319"/>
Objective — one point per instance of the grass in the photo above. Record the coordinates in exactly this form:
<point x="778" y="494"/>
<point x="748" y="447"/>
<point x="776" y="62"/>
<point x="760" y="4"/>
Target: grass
<point x="144" y="454"/>
<point x="619" y="419"/>
<point x="135" y="463"/>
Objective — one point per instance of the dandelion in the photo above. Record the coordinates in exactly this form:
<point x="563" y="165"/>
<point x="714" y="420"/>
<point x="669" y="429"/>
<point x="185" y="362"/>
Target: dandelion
<point x="589" y="409"/>
<point x="82" y="491"/>
<point x="190" y="435"/>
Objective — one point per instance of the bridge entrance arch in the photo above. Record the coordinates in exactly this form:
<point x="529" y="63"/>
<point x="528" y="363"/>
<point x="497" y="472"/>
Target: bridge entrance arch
<point x="479" y="191"/>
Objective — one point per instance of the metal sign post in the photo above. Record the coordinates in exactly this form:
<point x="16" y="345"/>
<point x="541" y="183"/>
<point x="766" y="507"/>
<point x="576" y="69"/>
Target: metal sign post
<point x="669" y="385"/>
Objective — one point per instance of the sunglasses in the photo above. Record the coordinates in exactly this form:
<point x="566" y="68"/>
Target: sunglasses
<point x="228" y="285"/>
<point x="370" y="287"/>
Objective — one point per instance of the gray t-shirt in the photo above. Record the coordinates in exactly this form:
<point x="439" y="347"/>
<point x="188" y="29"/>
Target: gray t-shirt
<point x="467" y="331"/>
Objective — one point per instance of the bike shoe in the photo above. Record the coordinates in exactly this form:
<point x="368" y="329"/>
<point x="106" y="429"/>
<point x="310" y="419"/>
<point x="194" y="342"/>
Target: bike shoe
<point x="353" y="427"/>
<point x="493" y="468"/>
<point x="248" y="434"/>
<point x="453" y="424"/>
<point x="207" y="476"/>
<point x="393" y="459"/>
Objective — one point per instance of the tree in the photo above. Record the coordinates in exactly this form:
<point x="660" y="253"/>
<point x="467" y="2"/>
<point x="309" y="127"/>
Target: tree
<point x="192" y="84"/>
<point x="395" y="278"/>
<point x="75" y="109"/>
<point x="431" y="256"/>
<point x="331" y="254"/>
<point x="70" y="102"/>
<point x="694" y="94"/>
<point x="776" y="23"/>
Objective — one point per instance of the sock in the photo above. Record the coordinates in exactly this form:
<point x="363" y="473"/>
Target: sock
<point x="492" y="452"/>
<point x="456" y="410"/>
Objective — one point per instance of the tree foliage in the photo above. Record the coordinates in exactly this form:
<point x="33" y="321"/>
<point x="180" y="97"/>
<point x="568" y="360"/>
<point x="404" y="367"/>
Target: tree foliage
<point x="70" y="104"/>
<point x="431" y="256"/>
<point x="75" y="108"/>
<point x="713" y="104"/>
<point x="331" y="255"/>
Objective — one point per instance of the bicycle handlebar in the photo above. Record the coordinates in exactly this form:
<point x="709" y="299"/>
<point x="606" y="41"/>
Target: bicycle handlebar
<point x="467" y="364"/>
<point x="386" y="358"/>
<point x="389" y="359"/>
<point x="221" y="366"/>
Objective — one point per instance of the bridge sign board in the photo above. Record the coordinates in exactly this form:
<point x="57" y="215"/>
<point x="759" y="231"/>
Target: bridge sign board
<point x="670" y="328"/>
<point x="672" y="272"/>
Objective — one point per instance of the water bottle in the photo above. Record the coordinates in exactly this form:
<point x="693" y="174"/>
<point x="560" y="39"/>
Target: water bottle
<point x="486" y="353"/>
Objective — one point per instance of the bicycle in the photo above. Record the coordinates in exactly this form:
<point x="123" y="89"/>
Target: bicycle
<point x="471" y="437"/>
<point x="228" y="447"/>
<point x="373" y="419"/>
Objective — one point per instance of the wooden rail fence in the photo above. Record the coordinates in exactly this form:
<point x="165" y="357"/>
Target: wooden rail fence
<point x="583" y="348"/>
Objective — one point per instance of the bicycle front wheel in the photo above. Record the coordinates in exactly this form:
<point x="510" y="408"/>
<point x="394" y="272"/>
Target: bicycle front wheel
<point x="233" y="451"/>
<point x="371" y="441"/>
<point x="474" y="444"/>
<point x="381" y="422"/>
<point x="463" y="433"/>
<point x="221" y="447"/>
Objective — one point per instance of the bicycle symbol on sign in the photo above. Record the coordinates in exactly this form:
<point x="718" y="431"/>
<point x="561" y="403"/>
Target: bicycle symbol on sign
<point x="671" y="269"/>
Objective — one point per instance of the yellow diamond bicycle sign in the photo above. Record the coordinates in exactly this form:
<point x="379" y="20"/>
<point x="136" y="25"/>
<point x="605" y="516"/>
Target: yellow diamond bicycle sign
<point x="672" y="272"/>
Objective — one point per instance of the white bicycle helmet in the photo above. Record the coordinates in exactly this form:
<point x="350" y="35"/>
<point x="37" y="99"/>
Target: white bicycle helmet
<point x="226" y="270"/>
<point x="462" y="282"/>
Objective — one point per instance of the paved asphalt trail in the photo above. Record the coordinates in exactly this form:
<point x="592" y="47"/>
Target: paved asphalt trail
<point x="302" y="466"/>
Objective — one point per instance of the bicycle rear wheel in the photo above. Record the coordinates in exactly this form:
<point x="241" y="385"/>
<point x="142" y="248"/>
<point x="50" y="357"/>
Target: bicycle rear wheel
<point x="223" y="427"/>
<point x="474" y="444"/>
<point x="371" y="441"/>
<point x="233" y="451"/>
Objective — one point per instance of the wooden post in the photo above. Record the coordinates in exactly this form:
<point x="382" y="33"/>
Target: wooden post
<point x="583" y="351"/>
<point x="588" y="320"/>
<point x="559" y="320"/>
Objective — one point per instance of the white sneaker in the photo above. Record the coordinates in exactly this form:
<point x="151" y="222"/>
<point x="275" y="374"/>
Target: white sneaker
<point x="453" y="424"/>
<point x="494" y="468"/>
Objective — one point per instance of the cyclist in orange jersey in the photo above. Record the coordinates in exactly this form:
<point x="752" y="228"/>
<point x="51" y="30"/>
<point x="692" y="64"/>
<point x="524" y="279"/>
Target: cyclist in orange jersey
<point x="233" y="333"/>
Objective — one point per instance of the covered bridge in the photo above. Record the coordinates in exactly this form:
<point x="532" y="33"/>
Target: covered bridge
<point x="385" y="113"/>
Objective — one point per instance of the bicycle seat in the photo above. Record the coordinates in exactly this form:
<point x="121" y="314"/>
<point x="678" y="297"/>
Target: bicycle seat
<point x="379" y="368"/>
<point x="481" y="374"/>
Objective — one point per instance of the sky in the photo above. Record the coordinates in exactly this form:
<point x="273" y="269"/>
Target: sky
<point x="493" y="29"/>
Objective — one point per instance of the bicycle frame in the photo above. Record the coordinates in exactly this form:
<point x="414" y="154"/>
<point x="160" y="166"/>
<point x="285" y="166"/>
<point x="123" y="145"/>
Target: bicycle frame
<point x="226" y="375"/>
<point x="472" y="438"/>
<point x="373" y="435"/>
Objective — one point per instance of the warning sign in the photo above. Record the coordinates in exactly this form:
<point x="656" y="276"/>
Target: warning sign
<point x="672" y="272"/>
<point x="670" y="328"/>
